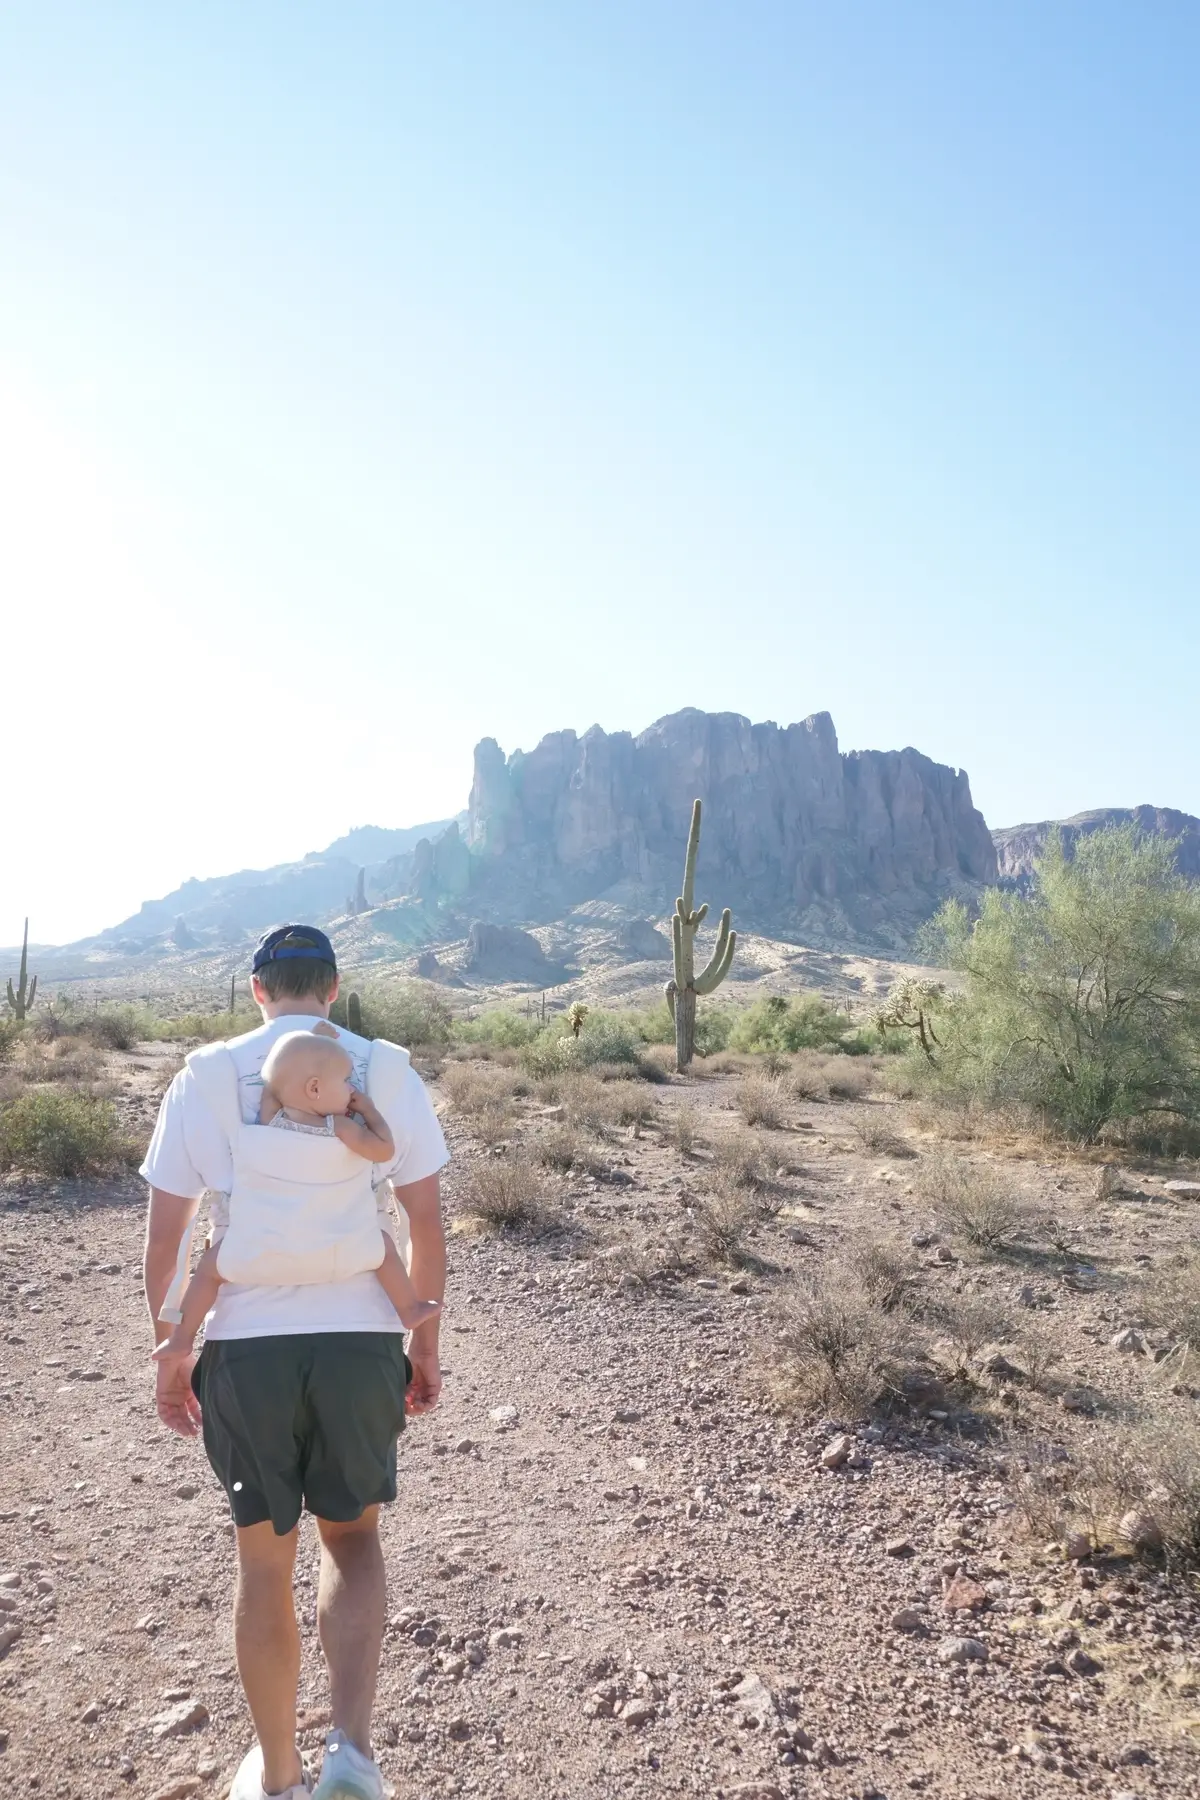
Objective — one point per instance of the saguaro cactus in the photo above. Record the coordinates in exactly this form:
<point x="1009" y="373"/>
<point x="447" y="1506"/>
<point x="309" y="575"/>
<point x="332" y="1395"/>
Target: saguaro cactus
<point x="684" y="986"/>
<point x="354" y="1013"/>
<point x="21" y="1000"/>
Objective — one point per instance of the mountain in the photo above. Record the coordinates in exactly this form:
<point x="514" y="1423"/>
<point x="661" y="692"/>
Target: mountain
<point x="797" y="835"/>
<point x="1018" y="846"/>
<point x="226" y="908"/>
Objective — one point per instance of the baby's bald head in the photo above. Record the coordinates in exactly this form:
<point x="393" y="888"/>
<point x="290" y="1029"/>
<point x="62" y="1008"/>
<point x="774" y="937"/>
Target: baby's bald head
<point x="308" y="1073"/>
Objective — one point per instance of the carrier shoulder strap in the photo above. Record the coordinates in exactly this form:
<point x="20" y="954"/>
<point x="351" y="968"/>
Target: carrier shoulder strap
<point x="214" y="1071"/>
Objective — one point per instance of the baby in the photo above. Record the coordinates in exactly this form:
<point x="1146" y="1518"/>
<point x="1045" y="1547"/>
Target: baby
<point x="307" y="1088"/>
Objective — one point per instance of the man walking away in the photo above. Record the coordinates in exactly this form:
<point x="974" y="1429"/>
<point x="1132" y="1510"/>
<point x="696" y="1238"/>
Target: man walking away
<point x="301" y="1392"/>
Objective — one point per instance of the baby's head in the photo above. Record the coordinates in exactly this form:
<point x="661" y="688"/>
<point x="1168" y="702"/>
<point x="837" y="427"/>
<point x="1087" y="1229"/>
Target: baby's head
<point x="308" y="1073"/>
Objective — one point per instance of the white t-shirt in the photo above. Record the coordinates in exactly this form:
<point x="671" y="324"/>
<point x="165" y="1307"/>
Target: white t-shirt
<point x="189" y="1154"/>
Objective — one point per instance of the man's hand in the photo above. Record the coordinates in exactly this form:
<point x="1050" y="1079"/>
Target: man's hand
<point x="426" y="1383"/>
<point x="174" y="1401"/>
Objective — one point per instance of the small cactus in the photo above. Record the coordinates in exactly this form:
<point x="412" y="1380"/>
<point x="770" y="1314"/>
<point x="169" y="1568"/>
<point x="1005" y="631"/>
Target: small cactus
<point x="354" y="1014"/>
<point x="576" y="1014"/>
<point x="21" y="999"/>
<point x="685" y="985"/>
<point x="233" y="993"/>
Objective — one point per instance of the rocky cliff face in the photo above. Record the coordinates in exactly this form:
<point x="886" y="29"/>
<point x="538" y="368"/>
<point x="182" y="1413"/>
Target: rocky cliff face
<point x="1018" y="846"/>
<point x="794" y="832"/>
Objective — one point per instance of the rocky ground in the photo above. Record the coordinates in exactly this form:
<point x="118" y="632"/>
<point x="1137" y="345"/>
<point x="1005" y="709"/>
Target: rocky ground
<point x="615" y="1570"/>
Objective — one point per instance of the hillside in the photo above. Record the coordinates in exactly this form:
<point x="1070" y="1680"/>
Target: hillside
<point x="1019" y="846"/>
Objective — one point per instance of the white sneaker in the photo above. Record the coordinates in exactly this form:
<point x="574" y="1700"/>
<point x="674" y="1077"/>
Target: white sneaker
<point x="248" y="1782"/>
<point x="346" y="1774"/>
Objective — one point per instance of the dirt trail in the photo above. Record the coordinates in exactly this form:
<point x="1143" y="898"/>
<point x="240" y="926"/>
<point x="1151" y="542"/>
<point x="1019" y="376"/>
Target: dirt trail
<point x="600" y="1518"/>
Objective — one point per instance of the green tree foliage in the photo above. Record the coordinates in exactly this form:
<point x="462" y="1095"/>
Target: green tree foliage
<point x="805" y="1023"/>
<point x="1081" y="1000"/>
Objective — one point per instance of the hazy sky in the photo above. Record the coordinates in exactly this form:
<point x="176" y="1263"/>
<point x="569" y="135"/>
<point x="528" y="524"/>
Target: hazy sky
<point x="377" y="378"/>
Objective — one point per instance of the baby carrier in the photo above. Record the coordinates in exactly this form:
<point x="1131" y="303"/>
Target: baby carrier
<point x="302" y="1208"/>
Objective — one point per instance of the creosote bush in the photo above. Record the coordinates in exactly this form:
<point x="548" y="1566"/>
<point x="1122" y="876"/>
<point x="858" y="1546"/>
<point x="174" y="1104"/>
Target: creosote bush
<point x="683" y="1128"/>
<point x="724" y="1216"/>
<point x="741" y="1160"/>
<point x="885" y="1269"/>
<point x="61" y="1132"/>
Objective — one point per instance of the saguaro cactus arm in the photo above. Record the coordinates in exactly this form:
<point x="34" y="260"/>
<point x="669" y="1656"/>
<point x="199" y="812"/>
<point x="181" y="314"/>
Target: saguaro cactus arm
<point x="718" y="963"/>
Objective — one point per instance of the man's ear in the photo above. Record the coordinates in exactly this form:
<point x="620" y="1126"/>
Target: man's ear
<point x="258" y="990"/>
<point x="333" y="992"/>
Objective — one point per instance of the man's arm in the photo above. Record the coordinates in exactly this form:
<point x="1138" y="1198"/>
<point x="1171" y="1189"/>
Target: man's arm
<point x="168" y="1218"/>
<point x="421" y="1200"/>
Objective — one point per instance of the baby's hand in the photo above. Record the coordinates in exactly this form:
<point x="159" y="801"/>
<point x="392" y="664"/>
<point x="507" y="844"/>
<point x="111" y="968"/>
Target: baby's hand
<point x="357" y="1102"/>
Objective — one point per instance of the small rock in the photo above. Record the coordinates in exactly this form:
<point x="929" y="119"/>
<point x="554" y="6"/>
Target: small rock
<point x="1078" y="1400"/>
<point x="177" y="1721"/>
<point x="1078" y="1546"/>
<point x="91" y="1713"/>
<point x="503" y="1417"/>
<point x="187" y="1492"/>
<point x="505" y="1638"/>
<point x="1130" y="1340"/>
<point x="1182" y="1190"/>
<point x="10" y="1579"/>
<point x="463" y="1446"/>
<point x="908" y="1619"/>
<point x="207" y="1769"/>
<point x="458" y="1729"/>
<point x="742" y="1285"/>
<point x="1080" y="1663"/>
<point x="183" y="1789"/>
<point x="627" y="1415"/>
<point x="999" y="1368"/>
<point x="964" y="1595"/>
<point x="127" y="1768"/>
<point x="8" y="1637"/>
<point x="637" y="1712"/>
<point x="1134" y="1756"/>
<point x="8" y="1602"/>
<point x="43" y="1585"/>
<point x="962" y="1650"/>
<point x="899" y="1547"/>
<point x="837" y="1451"/>
<point x="754" y="1702"/>
<point x="1140" y="1530"/>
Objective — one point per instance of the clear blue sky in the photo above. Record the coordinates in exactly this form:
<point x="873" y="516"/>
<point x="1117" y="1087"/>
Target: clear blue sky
<point x="377" y="378"/>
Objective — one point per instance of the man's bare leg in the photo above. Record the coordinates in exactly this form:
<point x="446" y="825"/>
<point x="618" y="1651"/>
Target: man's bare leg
<point x="351" y="1609"/>
<point x="268" y="1648"/>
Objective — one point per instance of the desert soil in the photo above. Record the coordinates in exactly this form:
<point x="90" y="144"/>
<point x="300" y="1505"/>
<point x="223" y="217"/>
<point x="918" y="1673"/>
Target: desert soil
<point x="614" y="1569"/>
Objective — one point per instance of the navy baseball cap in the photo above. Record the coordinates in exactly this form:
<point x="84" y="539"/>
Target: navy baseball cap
<point x="289" y="941"/>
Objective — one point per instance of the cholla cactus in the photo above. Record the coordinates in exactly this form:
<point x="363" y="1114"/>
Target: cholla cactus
<point x="685" y="985"/>
<point x="911" y="1006"/>
<point x="21" y="998"/>
<point x="576" y="1014"/>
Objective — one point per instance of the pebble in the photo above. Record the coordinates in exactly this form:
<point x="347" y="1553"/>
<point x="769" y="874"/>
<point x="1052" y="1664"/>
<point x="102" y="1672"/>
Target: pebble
<point x="177" y="1721"/>
<point x="91" y="1713"/>
<point x="899" y="1547"/>
<point x="8" y="1637"/>
<point x="10" y="1579"/>
<point x="962" y="1650"/>
<point x="8" y="1601"/>
<point x="1140" y="1530"/>
<point x="503" y="1417"/>
<point x="1078" y="1546"/>
<point x="463" y="1446"/>
<point x="187" y="1492"/>
<point x="837" y="1452"/>
<point x="908" y="1619"/>
<point x="505" y="1638"/>
<point x="637" y="1712"/>
<point x="964" y="1595"/>
<point x="1182" y="1190"/>
<point x="1080" y="1663"/>
<point x="1129" y="1339"/>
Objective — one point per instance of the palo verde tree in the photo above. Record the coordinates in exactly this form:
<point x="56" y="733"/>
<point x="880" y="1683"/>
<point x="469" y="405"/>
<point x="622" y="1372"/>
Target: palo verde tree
<point x="1081" y="999"/>
<point x="685" y="984"/>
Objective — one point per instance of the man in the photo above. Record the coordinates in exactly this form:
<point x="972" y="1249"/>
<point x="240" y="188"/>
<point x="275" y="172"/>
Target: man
<point x="300" y="1392"/>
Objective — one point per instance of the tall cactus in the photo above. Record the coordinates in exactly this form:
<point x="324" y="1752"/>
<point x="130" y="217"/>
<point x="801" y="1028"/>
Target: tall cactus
<point x="21" y="1001"/>
<point x="354" y="1013"/>
<point x="683" y="988"/>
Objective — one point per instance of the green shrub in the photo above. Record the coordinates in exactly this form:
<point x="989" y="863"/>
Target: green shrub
<point x="1081" y="999"/>
<point x="210" y="1028"/>
<point x="500" y="1027"/>
<point x="410" y="1013"/>
<point x="805" y="1023"/>
<point x="60" y="1132"/>
<point x="113" y="1027"/>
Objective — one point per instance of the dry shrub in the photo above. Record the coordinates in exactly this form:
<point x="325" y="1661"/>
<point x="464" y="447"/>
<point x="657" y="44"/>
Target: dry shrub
<point x="590" y="1104"/>
<point x="1151" y="1467"/>
<point x="474" y="1089"/>
<point x="848" y="1078"/>
<point x="761" y="1099"/>
<point x="61" y="1131"/>
<point x="724" y="1218"/>
<point x="507" y="1194"/>
<point x="973" y="1201"/>
<point x="683" y="1128"/>
<point x="886" y="1271"/>
<point x="878" y="1135"/>
<point x="636" y="1263"/>
<point x="837" y="1350"/>
<point x="635" y="1106"/>
<point x="1171" y="1300"/>
<point x="741" y="1160"/>
<point x="969" y="1321"/>
<point x="566" y="1148"/>
<point x="59" y="1059"/>
<point x="1039" y="1354"/>
<point x="809" y="1080"/>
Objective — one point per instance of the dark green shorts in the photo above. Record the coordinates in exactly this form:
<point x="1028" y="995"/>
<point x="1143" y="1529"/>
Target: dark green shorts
<point x="308" y="1421"/>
